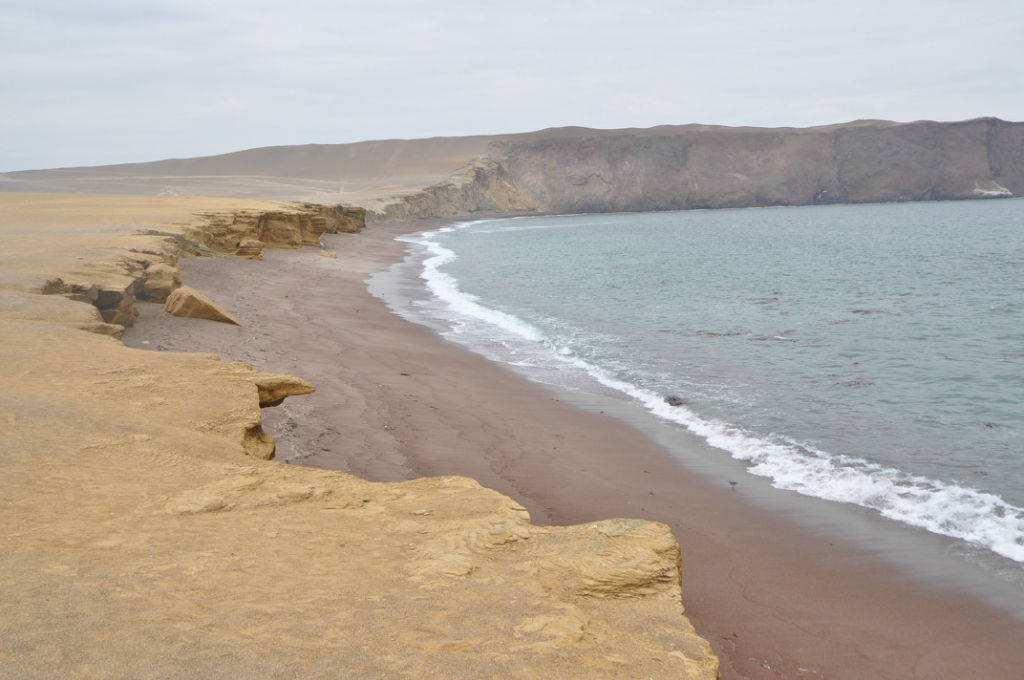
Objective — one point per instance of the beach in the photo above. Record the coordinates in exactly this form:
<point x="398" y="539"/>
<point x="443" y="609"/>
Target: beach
<point x="395" y="401"/>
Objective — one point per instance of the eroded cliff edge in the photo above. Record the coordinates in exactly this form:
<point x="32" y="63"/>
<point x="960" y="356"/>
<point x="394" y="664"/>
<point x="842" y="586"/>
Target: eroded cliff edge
<point x="144" y="536"/>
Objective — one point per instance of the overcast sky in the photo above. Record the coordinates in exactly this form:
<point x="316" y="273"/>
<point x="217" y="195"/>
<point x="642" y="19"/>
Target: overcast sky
<point x="89" y="82"/>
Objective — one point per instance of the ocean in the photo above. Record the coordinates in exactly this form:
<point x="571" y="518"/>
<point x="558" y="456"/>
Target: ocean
<point x="870" y="355"/>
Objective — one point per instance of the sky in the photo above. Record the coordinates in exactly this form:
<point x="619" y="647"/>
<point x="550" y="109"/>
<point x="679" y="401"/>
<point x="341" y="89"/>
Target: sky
<point x="93" y="82"/>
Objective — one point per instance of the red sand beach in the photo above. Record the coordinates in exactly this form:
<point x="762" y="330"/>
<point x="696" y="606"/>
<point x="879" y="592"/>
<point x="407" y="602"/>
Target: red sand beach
<point x="396" y="401"/>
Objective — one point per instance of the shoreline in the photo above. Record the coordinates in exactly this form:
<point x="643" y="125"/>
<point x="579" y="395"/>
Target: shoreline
<point x="771" y="597"/>
<point x="960" y="563"/>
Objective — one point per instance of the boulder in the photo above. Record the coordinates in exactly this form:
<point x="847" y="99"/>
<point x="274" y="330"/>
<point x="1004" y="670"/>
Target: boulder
<point x="250" y="248"/>
<point x="190" y="303"/>
<point x="161" y="279"/>
<point x="274" y="387"/>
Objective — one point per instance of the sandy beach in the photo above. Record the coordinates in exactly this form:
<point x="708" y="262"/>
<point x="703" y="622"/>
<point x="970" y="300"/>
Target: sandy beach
<point x="395" y="401"/>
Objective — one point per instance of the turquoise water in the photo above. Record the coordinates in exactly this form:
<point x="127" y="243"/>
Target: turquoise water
<point x="864" y="354"/>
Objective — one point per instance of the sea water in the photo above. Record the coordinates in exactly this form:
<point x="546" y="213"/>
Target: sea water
<point x="865" y="354"/>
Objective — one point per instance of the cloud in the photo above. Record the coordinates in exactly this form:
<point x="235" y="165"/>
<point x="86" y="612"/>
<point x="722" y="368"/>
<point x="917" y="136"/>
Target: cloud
<point x="110" y="81"/>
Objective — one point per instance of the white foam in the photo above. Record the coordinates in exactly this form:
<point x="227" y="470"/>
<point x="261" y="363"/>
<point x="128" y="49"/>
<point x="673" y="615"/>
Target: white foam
<point x="997" y="192"/>
<point x="446" y="288"/>
<point x="943" y="508"/>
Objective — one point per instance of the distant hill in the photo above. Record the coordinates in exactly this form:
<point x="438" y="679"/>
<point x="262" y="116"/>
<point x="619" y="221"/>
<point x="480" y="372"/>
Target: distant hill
<point x="571" y="170"/>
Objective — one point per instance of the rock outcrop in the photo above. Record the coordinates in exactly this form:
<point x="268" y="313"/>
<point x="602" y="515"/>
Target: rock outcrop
<point x="189" y="303"/>
<point x="161" y="280"/>
<point x="865" y="162"/>
<point x="273" y="388"/>
<point x="145" y="266"/>
<point x="339" y="219"/>
<point x="116" y="305"/>
<point x="244" y="233"/>
<point x="485" y="186"/>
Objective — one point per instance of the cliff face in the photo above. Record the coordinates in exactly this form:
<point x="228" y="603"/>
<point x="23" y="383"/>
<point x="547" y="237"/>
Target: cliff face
<point x="245" y="232"/>
<point x="483" y="187"/>
<point x="339" y="219"/>
<point x="567" y="170"/>
<point x="720" y="168"/>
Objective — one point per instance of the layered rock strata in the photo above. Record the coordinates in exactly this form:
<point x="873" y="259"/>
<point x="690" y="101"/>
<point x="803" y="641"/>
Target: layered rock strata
<point x="145" y="533"/>
<point x="245" y="233"/>
<point x="339" y="219"/>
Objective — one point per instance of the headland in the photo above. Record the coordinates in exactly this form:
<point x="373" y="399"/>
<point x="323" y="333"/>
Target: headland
<point x="147" y="533"/>
<point x="578" y="170"/>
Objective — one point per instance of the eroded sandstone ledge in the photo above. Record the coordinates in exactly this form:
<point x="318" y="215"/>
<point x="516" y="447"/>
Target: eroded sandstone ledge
<point x="145" y="536"/>
<point x="148" y="270"/>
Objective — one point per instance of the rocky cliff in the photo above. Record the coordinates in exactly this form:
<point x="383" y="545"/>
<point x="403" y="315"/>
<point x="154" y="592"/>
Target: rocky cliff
<point x="721" y="167"/>
<point x="147" y="535"/>
<point x="485" y="186"/>
<point x="568" y="170"/>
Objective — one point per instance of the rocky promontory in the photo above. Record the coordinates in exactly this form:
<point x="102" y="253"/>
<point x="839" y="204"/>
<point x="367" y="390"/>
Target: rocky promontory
<point x="678" y="169"/>
<point x="573" y="170"/>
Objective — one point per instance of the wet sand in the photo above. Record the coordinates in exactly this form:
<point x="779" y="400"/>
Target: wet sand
<point x="396" y="401"/>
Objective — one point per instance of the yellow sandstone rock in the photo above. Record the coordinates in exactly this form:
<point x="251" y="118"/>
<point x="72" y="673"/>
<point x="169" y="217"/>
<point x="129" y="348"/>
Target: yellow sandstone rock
<point x="161" y="280"/>
<point x="190" y="303"/>
<point x="274" y="387"/>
